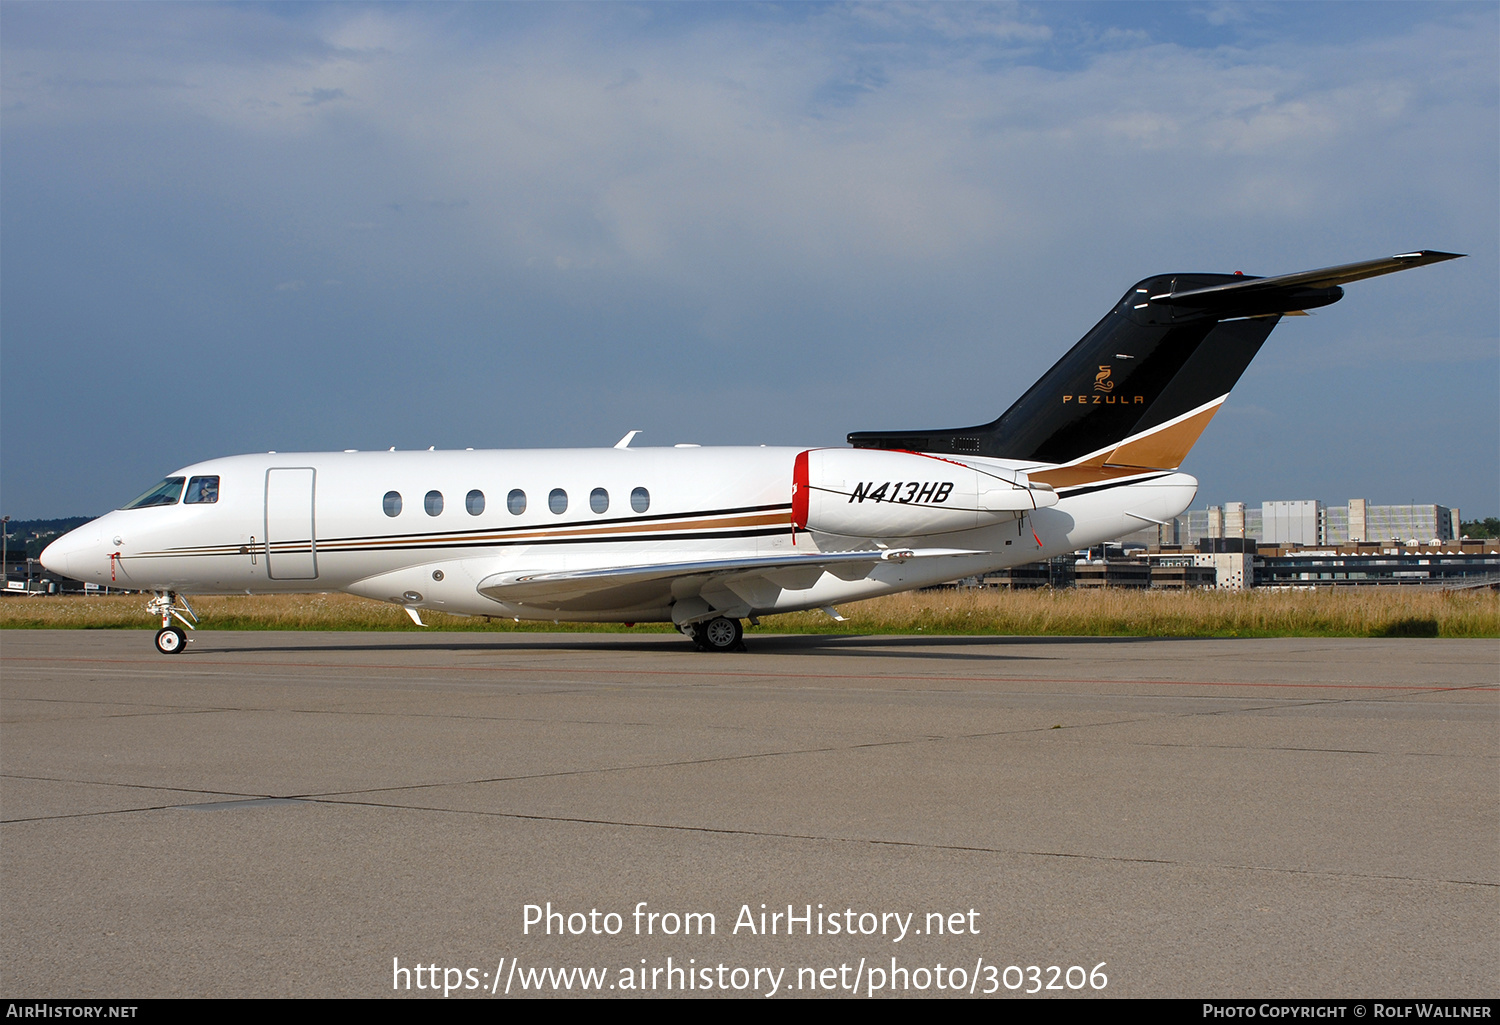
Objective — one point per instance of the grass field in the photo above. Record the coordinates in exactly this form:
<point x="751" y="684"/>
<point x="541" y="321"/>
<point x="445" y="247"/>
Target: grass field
<point x="1344" y="612"/>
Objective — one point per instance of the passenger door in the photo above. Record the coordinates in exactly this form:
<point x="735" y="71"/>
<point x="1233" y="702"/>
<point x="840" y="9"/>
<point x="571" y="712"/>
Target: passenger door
<point x="291" y="545"/>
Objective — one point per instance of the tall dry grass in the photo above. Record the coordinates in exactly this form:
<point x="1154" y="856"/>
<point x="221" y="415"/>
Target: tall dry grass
<point x="1343" y="612"/>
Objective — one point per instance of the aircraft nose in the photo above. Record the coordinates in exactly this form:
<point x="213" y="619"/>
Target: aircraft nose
<point x="55" y="558"/>
<point x="68" y="554"/>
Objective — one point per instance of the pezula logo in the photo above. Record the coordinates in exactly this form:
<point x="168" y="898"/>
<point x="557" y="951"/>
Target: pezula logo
<point x="1104" y="393"/>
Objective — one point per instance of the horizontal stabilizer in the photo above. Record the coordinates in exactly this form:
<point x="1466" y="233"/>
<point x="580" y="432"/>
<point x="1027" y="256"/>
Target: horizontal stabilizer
<point x="1327" y="277"/>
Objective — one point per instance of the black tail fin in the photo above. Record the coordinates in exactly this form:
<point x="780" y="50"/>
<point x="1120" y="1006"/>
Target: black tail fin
<point x="1139" y="388"/>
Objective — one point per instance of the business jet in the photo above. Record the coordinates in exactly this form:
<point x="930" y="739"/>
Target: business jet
<point x="705" y="538"/>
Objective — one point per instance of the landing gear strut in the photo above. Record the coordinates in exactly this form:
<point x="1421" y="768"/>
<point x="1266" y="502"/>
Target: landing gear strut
<point x="171" y="640"/>
<point x="721" y="634"/>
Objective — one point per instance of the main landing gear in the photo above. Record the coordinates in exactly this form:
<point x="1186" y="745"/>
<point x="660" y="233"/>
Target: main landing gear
<point x="721" y="634"/>
<point x="171" y="640"/>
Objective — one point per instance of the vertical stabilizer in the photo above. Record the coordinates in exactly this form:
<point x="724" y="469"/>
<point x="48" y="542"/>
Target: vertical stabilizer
<point x="1140" y="387"/>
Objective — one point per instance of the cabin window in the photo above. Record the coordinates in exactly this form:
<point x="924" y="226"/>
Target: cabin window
<point x="640" y="500"/>
<point x="558" y="501"/>
<point x="165" y="493"/>
<point x="433" y="503"/>
<point x="392" y="503"/>
<point x="516" y="502"/>
<point x="599" y="500"/>
<point x="202" y="491"/>
<point x="474" y="502"/>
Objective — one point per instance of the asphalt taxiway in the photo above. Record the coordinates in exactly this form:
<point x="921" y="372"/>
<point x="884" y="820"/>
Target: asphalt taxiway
<point x="308" y="813"/>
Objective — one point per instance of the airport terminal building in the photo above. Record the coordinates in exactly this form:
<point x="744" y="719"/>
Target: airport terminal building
<point x="1308" y="522"/>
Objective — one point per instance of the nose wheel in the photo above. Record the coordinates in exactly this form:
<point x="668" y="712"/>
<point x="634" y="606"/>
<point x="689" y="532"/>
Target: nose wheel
<point x="170" y="640"/>
<point x="721" y="634"/>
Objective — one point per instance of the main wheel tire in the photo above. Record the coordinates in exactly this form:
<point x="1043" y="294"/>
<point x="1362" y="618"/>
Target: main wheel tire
<point x="170" y="640"/>
<point x="723" y="634"/>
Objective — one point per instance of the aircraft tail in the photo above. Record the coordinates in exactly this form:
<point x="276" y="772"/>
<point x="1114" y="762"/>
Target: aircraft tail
<point x="1137" y="390"/>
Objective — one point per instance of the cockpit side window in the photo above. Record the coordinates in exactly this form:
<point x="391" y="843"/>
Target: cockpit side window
<point x="165" y="493"/>
<point x="202" y="491"/>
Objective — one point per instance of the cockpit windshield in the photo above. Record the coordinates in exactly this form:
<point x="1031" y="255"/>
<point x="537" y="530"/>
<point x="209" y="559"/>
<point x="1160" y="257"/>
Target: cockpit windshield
<point x="165" y="493"/>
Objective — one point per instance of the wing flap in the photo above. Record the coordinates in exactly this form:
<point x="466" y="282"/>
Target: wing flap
<point x="578" y="589"/>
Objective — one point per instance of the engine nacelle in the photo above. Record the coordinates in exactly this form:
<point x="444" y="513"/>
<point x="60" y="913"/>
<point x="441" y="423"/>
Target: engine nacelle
<point x="861" y="492"/>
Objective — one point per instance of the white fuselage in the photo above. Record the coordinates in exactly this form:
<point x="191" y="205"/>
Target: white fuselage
<point x="305" y="522"/>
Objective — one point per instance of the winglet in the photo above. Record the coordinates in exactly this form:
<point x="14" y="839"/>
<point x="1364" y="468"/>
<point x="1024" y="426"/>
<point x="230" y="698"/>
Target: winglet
<point x="625" y="441"/>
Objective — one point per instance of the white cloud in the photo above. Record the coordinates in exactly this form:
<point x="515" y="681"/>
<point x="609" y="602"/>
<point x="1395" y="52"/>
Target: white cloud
<point x="723" y="134"/>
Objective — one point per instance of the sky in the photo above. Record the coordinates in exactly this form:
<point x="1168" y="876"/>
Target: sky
<point x="232" y="228"/>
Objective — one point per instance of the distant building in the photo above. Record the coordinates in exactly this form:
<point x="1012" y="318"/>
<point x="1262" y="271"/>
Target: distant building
<point x="1361" y="521"/>
<point x="1132" y="573"/>
<point x="1291" y="523"/>
<point x="1310" y="522"/>
<point x="1181" y="572"/>
<point x="1231" y="563"/>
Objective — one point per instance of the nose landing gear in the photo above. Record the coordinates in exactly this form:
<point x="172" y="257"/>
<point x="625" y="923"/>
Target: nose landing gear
<point x="171" y="640"/>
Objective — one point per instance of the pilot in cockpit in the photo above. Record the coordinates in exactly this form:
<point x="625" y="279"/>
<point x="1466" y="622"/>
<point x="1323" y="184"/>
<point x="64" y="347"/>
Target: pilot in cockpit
<point x="202" y="490"/>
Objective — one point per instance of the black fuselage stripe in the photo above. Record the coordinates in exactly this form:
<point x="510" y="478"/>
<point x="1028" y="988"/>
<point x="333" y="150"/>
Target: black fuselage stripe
<point x="664" y="520"/>
<point x="1090" y="489"/>
<point x="609" y="539"/>
<point x="305" y="548"/>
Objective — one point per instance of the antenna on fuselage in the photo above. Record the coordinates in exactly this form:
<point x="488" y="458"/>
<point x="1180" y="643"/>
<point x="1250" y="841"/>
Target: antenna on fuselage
<point x="625" y="441"/>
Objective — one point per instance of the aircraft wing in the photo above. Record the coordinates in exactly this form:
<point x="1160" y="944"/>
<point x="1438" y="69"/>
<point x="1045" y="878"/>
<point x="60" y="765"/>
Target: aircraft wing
<point x="732" y="585"/>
